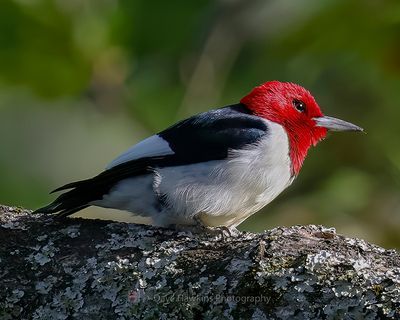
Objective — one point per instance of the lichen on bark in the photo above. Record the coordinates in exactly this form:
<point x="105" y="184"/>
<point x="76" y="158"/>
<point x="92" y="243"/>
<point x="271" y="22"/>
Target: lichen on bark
<point x="93" y="269"/>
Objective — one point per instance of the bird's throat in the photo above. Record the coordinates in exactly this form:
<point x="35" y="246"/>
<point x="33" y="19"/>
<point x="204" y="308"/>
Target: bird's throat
<point x="298" y="148"/>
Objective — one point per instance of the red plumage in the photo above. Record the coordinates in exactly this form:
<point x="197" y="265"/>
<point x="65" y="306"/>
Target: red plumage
<point x="274" y="101"/>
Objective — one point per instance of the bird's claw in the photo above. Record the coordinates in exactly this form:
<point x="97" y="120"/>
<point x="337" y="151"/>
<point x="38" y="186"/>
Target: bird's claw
<point x="222" y="231"/>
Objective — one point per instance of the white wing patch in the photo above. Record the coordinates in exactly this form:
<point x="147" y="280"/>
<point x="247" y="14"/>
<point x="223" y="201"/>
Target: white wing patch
<point x="150" y="147"/>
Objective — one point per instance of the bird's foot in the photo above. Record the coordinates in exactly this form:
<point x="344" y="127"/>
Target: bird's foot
<point x="222" y="231"/>
<point x="231" y="231"/>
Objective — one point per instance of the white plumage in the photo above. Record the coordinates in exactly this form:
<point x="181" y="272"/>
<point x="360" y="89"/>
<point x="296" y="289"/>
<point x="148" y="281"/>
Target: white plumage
<point x="151" y="146"/>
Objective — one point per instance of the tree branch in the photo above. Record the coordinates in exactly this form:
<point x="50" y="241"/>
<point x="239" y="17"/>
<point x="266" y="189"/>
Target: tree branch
<point x="93" y="269"/>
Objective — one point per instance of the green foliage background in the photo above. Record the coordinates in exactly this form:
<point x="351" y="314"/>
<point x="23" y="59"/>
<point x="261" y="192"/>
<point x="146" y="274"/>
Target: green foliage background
<point x="80" y="81"/>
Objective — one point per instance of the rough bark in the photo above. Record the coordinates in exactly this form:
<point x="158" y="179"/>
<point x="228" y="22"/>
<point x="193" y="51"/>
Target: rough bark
<point x="92" y="269"/>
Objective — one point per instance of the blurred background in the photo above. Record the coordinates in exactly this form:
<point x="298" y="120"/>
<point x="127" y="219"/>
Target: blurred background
<point x="81" y="81"/>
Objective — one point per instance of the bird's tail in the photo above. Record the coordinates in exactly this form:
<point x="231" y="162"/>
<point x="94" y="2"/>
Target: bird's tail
<point x="79" y="196"/>
<point x="82" y="193"/>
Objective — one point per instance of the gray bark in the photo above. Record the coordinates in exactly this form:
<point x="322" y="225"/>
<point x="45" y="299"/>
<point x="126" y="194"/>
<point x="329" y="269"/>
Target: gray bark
<point x="92" y="269"/>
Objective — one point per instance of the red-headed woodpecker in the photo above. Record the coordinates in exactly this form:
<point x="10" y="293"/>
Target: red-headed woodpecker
<point x="217" y="168"/>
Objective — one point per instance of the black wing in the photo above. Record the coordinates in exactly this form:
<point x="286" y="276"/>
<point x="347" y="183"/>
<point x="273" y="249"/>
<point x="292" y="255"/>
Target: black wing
<point x="210" y="135"/>
<point x="204" y="137"/>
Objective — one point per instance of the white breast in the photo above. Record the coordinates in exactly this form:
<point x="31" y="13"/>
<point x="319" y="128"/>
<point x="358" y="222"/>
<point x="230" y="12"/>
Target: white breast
<point x="227" y="192"/>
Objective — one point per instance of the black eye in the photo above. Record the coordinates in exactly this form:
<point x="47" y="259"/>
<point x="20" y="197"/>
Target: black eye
<point x="299" y="105"/>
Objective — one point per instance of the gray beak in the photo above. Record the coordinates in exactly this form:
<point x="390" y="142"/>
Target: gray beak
<point x="335" y="124"/>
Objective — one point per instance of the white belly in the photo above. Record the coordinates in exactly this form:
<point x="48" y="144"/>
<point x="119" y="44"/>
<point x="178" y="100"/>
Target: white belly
<point x="223" y="192"/>
<point x="228" y="192"/>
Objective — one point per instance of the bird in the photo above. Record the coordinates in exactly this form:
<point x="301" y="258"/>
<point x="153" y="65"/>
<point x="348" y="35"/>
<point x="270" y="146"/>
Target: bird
<point x="214" y="169"/>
